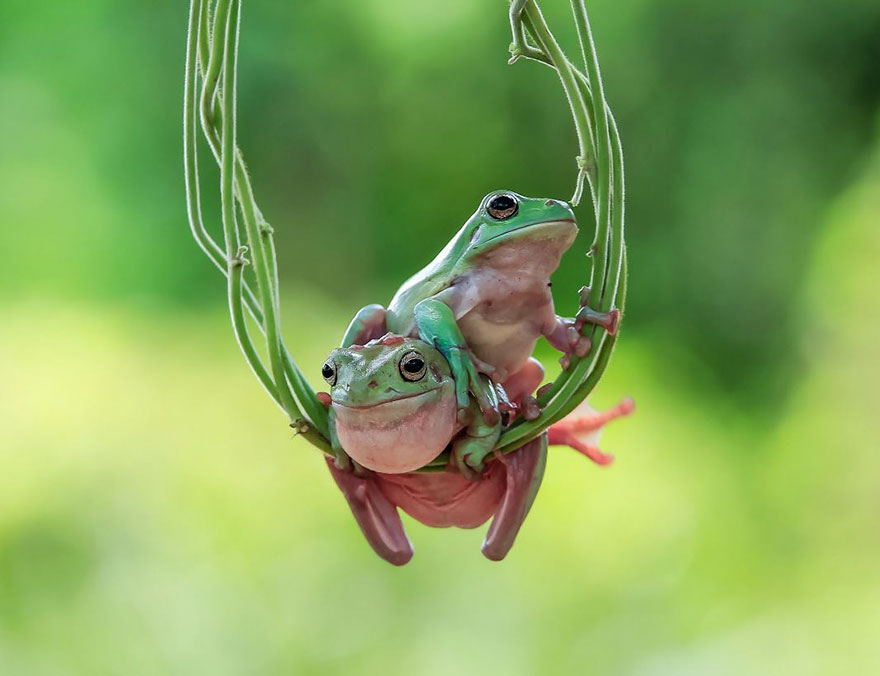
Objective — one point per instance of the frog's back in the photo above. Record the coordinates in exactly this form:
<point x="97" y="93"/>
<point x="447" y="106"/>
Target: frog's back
<point x="424" y="284"/>
<point x="435" y="277"/>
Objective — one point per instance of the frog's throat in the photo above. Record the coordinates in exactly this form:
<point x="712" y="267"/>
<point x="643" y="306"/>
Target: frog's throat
<point x="400" y="435"/>
<point x="540" y="225"/>
<point x="384" y="402"/>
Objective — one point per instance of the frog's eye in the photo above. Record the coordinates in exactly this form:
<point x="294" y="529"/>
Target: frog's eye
<point x="328" y="370"/>
<point x="501" y="207"/>
<point x="412" y="366"/>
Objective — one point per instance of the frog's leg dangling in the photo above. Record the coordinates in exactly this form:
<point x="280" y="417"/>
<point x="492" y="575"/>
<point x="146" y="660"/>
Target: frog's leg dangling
<point x="524" y="470"/>
<point x="368" y="324"/>
<point x="378" y="518"/>
<point x="580" y="429"/>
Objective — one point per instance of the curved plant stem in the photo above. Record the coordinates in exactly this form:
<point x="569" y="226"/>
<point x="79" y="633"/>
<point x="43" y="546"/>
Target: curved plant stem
<point x="607" y="275"/>
<point x="545" y="40"/>
<point x="239" y="325"/>
<point x="229" y="265"/>
<point x="212" y="54"/>
<point x="254" y="233"/>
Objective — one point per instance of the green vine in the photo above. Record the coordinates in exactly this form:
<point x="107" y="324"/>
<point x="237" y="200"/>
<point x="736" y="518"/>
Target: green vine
<point x="210" y="103"/>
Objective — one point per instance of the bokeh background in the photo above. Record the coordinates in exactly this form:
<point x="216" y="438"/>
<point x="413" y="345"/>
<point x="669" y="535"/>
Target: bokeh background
<point x="156" y="515"/>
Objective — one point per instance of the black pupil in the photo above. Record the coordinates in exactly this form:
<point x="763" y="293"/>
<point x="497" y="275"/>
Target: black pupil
<point x="327" y="371"/>
<point x="413" y="365"/>
<point x="502" y="203"/>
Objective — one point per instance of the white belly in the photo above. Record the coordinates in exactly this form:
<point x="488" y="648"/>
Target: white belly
<point x="506" y="345"/>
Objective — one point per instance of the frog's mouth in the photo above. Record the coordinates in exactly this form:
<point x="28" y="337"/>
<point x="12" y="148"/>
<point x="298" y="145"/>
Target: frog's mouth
<point x="556" y="225"/>
<point x="425" y="395"/>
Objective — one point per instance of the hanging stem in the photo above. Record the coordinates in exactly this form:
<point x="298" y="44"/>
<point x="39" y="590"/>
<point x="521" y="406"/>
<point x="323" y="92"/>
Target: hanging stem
<point x="255" y="235"/>
<point x="547" y="43"/>
<point x="607" y="275"/>
<point x="213" y="52"/>
<point x="231" y="266"/>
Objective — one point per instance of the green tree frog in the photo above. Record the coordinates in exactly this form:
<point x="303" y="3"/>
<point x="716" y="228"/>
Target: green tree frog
<point x="393" y="408"/>
<point x="485" y="299"/>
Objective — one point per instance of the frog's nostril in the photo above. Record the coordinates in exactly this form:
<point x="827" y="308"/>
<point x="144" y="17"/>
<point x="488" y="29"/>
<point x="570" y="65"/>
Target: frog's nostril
<point x="555" y="203"/>
<point x="372" y="384"/>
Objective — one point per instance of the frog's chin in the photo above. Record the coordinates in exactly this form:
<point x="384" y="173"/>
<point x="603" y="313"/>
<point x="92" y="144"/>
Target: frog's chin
<point x="536" y="245"/>
<point x="400" y="435"/>
<point x="564" y="230"/>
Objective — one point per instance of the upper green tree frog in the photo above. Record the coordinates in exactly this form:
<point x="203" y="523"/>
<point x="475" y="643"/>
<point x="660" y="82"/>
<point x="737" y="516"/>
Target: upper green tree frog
<point x="485" y="299"/>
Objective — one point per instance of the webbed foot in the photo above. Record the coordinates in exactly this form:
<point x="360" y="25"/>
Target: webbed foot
<point x="580" y="430"/>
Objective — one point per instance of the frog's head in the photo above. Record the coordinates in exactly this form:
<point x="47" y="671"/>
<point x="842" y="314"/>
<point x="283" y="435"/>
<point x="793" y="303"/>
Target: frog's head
<point x="393" y="402"/>
<point x="505" y="218"/>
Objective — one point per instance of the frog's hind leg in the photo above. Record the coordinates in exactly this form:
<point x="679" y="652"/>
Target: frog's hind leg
<point x="580" y="429"/>
<point x="368" y="324"/>
<point x="520" y="386"/>
<point x="375" y="514"/>
<point x="524" y="469"/>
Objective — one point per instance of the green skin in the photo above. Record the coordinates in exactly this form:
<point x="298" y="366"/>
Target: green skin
<point x="484" y="301"/>
<point x="393" y="421"/>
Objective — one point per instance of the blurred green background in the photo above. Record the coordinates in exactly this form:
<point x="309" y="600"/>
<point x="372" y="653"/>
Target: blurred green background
<point x="156" y="517"/>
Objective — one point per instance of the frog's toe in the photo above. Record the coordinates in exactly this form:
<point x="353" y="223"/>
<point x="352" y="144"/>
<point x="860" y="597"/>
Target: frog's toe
<point x="607" y="320"/>
<point x="530" y="408"/>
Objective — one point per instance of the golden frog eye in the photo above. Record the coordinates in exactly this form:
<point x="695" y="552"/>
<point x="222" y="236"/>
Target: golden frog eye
<point x="413" y="366"/>
<point x="501" y="207"/>
<point x="329" y="372"/>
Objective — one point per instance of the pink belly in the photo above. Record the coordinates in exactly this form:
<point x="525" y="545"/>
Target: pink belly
<point x="442" y="499"/>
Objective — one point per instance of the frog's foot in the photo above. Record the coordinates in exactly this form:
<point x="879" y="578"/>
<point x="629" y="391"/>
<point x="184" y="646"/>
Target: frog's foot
<point x="375" y="514"/>
<point x="368" y="324"/>
<point x="529" y="407"/>
<point x="506" y="407"/>
<point x="472" y="446"/>
<point x="587" y="315"/>
<point x="470" y="466"/>
<point x="581" y="429"/>
<point x="566" y="337"/>
<point x="520" y="386"/>
<point x="524" y="469"/>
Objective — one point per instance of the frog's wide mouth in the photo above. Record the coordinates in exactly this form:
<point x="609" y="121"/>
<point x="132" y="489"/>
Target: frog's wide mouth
<point x="403" y="397"/>
<point x="556" y="223"/>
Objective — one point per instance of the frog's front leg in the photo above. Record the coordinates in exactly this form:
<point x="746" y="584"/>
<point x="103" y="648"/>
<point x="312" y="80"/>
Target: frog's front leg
<point x="524" y="470"/>
<point x="587" y="315"/>
<point x="436" y="325"/>
<point x="368" y="324"/>
<point x="475" y="442"/>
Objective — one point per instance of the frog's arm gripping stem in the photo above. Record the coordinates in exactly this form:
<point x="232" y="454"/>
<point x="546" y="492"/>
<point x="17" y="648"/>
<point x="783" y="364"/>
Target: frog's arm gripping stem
<point x="437" y="326"/>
